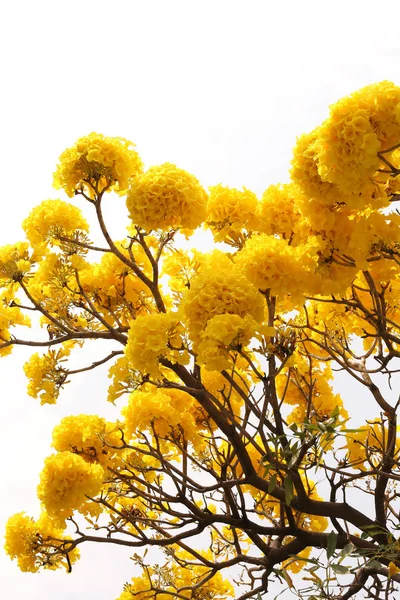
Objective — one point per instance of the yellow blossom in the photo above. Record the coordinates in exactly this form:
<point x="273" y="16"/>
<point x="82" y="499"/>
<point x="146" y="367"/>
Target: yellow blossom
<point x="65" y="482"/>
<point x="155" y="337"/>
<point x="97" y="163"/>
<point x="46" y="375"/>
<point x="219" y="288"/>
<point x="36" y="544"/>
<point x="89" y="436"/>
<point x="229" y="211"/>
<point x="166" y="197"/>
<point x="222" y="334"/>
<point x="50" y="219"/>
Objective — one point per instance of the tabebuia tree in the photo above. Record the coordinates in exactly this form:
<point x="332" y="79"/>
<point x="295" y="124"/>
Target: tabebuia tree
<point x="232" y="456"/>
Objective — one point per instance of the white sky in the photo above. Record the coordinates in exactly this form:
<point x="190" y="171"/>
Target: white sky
<point x="219" y="87"/>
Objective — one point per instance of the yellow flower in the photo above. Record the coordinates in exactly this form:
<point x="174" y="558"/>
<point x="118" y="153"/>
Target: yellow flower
<point x="166" y="197"/>
<point x="45" y="374"/>
<point x="271" y="263"/>
<point x="277" y="213"/>
<point x="52" y="218"/>
<point x="229" y="211"/>
<point x="169" y="413"/>
<point x="219" y="288"/>
<point x="305" y="175"/>
<point x="347" y="147"/>
<point x="97" y="163"/>
<point x="222" y="335"/>
<point x="152" y="337"/>
<point x="14" y="262"/>
<point x="393" y="569"/>
<point x="89" y="436"/>
<point x="65" y="482"/>
<point x="36" y="544"/>
<point x="367" y="446"/>
<point x="182" y="574"/>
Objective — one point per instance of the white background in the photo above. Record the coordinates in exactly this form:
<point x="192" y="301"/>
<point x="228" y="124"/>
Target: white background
<point x="221" y="88"/>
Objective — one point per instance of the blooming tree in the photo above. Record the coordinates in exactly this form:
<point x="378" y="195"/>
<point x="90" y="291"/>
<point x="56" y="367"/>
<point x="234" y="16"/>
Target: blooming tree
<point x="232" y="453"/>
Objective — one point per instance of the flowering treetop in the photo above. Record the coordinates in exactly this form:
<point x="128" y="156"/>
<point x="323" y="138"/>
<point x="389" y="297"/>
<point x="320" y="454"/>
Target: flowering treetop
<point x="232" y="452"/>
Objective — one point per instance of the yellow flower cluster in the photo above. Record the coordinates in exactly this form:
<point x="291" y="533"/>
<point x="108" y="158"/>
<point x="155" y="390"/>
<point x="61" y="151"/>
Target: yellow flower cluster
<point x="305" y="175"/>
<point x="230" y="211"/>
<point x="367" y="447"/>
<point x="15" y="262"/>
<point x="170" y="413"/>
<point x="121" y="377"/>
<point x="338" y="161"/>
<point x="277" y="213"/>
<point x="114" y="288"/>
<point x="181" y="266"/>
<point x="382" y="103"/>
<point x="152" y="337"/>
<point x="270" y="263"/>
<point x="35" y="544"/>
<point x="180" y="576"/>
<point x="223" y="335"/>
<point x="52" y="217"/>
<point x="219" y="288"/>
<point x="46" y="376"/>
<point x="65" y="482"/>
<point x="166" y="197"/>
<point x="348" y="148"/>
<point x="96" y="163"/>
<point x="89" y="436"/>
<point x="10" y="316"/>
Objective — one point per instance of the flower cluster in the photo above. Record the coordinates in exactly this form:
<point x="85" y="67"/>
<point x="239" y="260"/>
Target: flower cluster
<point x="219" y="287"/>
<point x="366" y="447"/>
<point x="169" y="413"/>
<point x="270" y="263"/>
<point x="230" y="211"/>
<point x="166" y="197"/>
<point x="278" y="213"/>
<point x="50" y="219"/>
<point x="338" y="162"/>
<point x="177" y="576"/>
<point x="113" y="287"/>
<point x="97" y="163"/>
<point x="224" y="334"/>
<point x="88" y="436"/>
<point x="311" y="395"/>
<point x="15" y="262"/>
<point x="45" y="374"/>
<point x="37" y="544"/>
<point x="154" y="337"/>
<point x="10" y="316"/>
<point x="66" y="481"/>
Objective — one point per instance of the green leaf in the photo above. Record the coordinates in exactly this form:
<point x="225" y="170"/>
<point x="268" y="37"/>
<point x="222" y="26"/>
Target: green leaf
<point x="293" y="459"/>
<point x="346" y="550"/>
<point x="289" y="492"/>
<point x="335" y="412"/>
<point x="272" y="483"/>
<point x="331" y="544"/>
<point x="340" y="569"/>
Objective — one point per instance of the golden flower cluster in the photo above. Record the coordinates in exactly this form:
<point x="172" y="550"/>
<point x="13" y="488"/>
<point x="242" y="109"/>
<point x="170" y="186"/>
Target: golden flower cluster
<point x="97" y="163"/>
